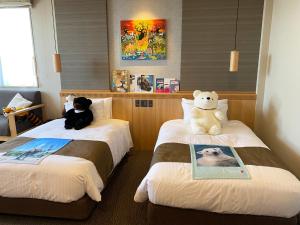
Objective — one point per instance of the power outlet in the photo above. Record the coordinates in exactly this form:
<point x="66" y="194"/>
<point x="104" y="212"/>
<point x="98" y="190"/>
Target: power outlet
<point x="144" y="103"/>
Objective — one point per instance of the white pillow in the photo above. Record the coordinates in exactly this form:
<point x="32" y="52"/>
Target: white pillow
<point x="19" y="102"/>
<point x="102" y="108"/>
<point x="188" y="104"/>
<point x="108" y="107"/>
<point x="223" y="107"/>
<point x="97" y="108"/>
<point x="68" y="106"/>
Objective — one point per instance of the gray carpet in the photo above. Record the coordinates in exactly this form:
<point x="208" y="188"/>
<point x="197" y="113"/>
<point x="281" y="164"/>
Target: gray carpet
<point x="117" y="206"/>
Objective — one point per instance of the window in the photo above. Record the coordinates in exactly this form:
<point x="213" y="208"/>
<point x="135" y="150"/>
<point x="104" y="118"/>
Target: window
<point x="17" y="66"/>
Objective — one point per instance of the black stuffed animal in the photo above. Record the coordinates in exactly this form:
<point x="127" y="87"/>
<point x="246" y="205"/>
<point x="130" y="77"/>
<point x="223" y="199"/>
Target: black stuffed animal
<point x="80" y="116"/>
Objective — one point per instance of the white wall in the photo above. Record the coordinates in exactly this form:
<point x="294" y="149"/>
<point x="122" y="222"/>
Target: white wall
<point x="278" y="118"/>
<point x="49" y="81"/>
<point x="263" y="57"/>
<point x="146" y="9"/>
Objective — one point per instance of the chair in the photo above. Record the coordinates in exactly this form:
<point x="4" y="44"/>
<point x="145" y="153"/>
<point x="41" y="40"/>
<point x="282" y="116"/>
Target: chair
<point x="9" y="126"/>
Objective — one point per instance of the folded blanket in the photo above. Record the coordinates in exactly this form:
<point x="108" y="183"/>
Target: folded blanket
<point x="258" y="156"/>
<point x="97" y="152"/>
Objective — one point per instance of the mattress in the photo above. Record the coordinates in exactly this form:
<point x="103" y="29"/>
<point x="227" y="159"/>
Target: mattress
<point x="60" y="178"/>
<point x="270" y="192"/>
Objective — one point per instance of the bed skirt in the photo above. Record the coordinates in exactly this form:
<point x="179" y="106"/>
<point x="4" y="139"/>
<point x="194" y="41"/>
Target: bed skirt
<point x="163" y="215"/>
<point x="77" y="210"/>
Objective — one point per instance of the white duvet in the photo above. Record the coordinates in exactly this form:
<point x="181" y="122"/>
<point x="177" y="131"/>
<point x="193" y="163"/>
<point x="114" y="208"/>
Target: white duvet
<point x="270" y="192"/>
<point x="63" y="178"/>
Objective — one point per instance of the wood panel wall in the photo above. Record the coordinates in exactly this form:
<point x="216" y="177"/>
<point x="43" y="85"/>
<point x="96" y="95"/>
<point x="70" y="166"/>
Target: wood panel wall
<point x="82" y="43"/>
<point x="208" y="36"/>
<point x="146" y="122"/>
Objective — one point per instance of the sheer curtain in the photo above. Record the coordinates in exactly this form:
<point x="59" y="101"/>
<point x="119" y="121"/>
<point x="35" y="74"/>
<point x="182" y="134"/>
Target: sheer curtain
<point x="16" y="48"/>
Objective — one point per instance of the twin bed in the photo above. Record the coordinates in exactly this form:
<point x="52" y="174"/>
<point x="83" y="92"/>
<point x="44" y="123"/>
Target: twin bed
<point x="68" y="184"/>
<point x="271" y="196"/>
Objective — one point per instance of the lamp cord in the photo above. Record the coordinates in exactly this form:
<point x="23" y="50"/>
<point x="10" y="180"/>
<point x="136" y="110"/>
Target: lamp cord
<point x="54" y="28"/>
<point x="236" y="23"/>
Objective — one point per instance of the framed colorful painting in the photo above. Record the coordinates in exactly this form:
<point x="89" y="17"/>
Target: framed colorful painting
<point x="144" y="39"/>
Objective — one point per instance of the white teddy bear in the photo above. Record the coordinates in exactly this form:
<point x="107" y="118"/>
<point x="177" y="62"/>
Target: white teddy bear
<point x="205" y="118"/>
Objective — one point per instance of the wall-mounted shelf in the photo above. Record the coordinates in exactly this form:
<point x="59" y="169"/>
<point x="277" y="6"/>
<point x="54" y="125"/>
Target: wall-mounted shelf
<point x="182" y="94"/>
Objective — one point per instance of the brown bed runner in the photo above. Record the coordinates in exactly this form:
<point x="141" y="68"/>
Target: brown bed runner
<point x="257" y="156"/>
<point x="97" y="152"/>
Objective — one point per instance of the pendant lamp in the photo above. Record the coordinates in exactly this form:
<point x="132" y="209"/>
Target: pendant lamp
<point x="235" y="54"/>
<point x="57" y="62"/>
<point x="56" y="56"/>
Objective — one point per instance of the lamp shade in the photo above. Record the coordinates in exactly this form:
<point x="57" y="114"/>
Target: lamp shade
<point x="234" y="61"/>
<point x="57" y="63"/>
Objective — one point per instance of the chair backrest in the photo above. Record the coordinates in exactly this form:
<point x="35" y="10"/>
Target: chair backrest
<point x="7" y="95"/>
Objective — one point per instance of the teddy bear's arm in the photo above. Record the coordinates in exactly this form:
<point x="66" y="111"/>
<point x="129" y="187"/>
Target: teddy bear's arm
<point x="220" y="116"/>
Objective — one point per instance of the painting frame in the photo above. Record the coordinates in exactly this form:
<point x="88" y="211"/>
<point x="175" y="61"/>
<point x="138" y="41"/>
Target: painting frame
<point x="144" y="39"/>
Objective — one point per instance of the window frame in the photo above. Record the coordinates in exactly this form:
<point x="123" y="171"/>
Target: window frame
<point x="2" y="86"/>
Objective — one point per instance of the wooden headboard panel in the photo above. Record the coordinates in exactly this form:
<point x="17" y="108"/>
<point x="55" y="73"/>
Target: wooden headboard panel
<point x="146" y="121"/>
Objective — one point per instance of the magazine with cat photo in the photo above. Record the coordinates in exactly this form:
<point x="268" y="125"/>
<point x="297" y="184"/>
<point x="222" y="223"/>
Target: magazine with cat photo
<point x="217" y="162"/>
<point x="145" y="83"/>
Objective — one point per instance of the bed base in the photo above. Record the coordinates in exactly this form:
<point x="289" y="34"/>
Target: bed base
<point x="163" y="215"/>
<point x="77" y="210"/>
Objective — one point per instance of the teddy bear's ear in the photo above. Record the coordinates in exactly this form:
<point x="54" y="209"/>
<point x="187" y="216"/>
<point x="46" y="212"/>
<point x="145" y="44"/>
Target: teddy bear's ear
<point x="215" y="94"/>
<point x="196" y="93"/>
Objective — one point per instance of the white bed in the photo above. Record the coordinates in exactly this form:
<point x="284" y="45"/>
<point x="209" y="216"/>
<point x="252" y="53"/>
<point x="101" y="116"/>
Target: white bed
<point x="63" y="178"/>
<point x="270" y="192"/>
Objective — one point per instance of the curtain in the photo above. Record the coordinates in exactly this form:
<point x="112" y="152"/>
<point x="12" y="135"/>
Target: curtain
<point x="14" y="3"/>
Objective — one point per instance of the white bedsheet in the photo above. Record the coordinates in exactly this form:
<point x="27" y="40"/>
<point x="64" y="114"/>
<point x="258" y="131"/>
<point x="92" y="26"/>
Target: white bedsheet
<point x="270" y="192"/>
<point x="63" y="178"/>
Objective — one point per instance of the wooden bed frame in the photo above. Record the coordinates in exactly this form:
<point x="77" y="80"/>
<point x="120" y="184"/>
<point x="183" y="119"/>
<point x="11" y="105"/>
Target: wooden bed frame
<point x="145" y="122"/>
<point x="162" y="215"/>
<point x="77" y="210"/>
